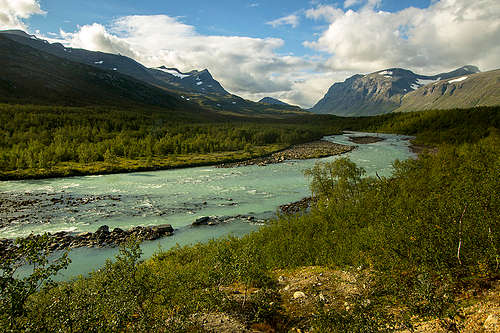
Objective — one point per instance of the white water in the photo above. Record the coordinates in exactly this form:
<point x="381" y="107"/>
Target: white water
<point x="176" y="197"/>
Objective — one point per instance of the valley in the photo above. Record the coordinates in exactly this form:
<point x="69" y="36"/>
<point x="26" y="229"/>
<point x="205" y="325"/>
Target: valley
<point x="140" y="198"/>
<point x="175" y="197"/>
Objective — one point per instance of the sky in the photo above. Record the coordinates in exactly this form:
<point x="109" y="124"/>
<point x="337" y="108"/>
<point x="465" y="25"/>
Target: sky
<point x="292" y="50"/>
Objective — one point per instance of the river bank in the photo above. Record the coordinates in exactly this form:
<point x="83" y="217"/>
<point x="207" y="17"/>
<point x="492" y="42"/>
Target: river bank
<point x="311" y="150"/>
<point x="122" y="165"/>
<point x="103" y="237"/>
<point x="260" y="155"/>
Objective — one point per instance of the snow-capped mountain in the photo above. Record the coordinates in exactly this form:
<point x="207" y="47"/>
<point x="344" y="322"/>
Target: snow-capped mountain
<point x="196" y="90"/>
<point x="169" y="78"/>
<point x="378" y="92"/>
<point x="465" y="91"/>
<point x="194" y="81"/>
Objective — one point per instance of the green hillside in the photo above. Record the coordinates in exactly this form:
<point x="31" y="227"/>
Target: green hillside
<point x="29" y="76"/>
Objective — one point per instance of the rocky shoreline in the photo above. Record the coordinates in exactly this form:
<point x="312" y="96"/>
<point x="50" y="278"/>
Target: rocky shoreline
<point x="103" y="237"/>
<point x="216" y="220"/>
<point x="315" y="149"/>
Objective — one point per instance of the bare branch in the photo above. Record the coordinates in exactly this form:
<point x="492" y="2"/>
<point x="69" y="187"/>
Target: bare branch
<point x="460" y="235"/>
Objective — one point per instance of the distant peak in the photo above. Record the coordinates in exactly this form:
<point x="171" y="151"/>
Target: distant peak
<point x="270" y="100"/>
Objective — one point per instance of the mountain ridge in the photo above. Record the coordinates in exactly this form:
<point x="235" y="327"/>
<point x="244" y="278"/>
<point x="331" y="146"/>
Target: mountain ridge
<point x="28" y="73"/>
<point x="200" y="89"/>
<point x="378" y="92"/>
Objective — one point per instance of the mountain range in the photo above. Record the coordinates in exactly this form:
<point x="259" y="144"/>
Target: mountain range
<point x="28" y="75"/>
<point x="36" y="71"/>
<point x="25" y="55"/>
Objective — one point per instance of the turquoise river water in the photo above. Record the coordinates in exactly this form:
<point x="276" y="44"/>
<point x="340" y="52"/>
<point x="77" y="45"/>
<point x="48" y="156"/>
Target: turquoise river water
<point x="177" y="197"/>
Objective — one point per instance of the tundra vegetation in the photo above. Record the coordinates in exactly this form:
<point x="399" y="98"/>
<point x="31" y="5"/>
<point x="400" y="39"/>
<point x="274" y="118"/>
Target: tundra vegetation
<point x="415" y="240"/>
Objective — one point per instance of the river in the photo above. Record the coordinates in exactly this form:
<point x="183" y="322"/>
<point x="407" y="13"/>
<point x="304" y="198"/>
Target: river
<point x="177" y="197"/>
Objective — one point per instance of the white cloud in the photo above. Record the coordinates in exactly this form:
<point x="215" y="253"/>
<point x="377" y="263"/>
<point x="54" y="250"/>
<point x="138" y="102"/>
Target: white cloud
<point x="292" y="20"/>
<point x="243" y="65"/>
<point x="444" y="36"/>
<point x="95" y="37"/>
<point x="447" y="34"/>
<point x="324" y="12"/>
<point x="12" y="13"/>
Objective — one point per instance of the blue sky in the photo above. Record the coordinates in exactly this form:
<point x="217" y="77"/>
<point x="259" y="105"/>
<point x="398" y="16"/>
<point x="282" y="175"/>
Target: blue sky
<point x="221" y="17"/>
<point x="292" y="50"/>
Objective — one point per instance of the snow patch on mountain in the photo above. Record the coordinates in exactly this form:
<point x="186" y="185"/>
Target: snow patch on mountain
<point x="173" y="72"/>
<point x="423" y="82"/>
<point x="460" y="79"/>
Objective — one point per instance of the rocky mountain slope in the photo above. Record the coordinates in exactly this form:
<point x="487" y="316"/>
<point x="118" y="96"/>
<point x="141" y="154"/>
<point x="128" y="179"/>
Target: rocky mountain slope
<point x="481" y="89"/>
<point x="194" y="81"/>
<point x="378" y="92"/>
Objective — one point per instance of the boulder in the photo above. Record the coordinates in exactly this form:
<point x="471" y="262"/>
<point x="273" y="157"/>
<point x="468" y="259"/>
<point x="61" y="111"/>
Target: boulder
<point x="491" y="322"/>
<point x="104" y="229"/>
<point x="298" y="294"/>
<point x="163" y="229"/>
<point x="202" y="221"/>
<point x="118" y="231"/>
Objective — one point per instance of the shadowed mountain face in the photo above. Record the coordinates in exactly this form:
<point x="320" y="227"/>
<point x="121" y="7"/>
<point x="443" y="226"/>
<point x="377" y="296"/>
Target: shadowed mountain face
<point x="378" y="92"/>
<point x="28" y="75"/>
<point x="163" y="77"/>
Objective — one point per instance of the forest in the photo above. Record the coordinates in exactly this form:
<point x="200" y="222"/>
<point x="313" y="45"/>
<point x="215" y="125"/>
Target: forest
<point x="409" y="244"/>
<point x="38" y="140"/>
<point x="42" y="141"/>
